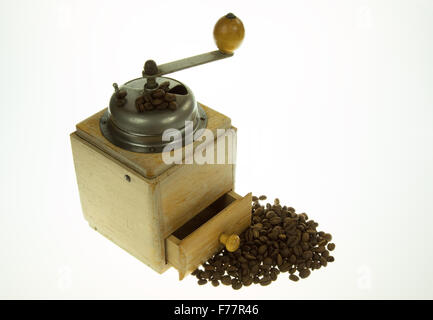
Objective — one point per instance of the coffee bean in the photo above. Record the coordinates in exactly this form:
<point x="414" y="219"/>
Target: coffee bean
<point x="285" y="252"/>
<point x="307" y="255"/>
<point x="320" y="249"/>
<point x="275" y="220"/>
<point x="247" y="281"/>
<point x="303" y="216"/>
<point x="237" y="285"/>
<point x="202" y="281"/>
<point x="158" y="93"/>
<point x="265" y="283"/>
<point x="156" y="102"/>
<point x="258" y="211"/>
<point x="305" y="246"/>
<point x="217" y="276"/>
<point x="257" y="226"/>
<point x="262" y="249"/>
<point x="293" y="277"/>
<point x="208" y="267"/>
<point x="304" y="273"/>
<point x="331" y="246"/>
<point x="270" y="214"/>
<point x="250" y="256"/>
<point x="265" y="278"/>
<point x="226" y="280"/>
<point x="164" y="85"/>
<point x="279" y="259"/>
<point x="242" y="260"/>
<point x="292" y="259"/>
<point x="215" y="283"/>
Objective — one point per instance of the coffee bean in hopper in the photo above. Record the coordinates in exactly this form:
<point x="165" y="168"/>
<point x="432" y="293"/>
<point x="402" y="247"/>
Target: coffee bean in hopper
<point x="159" y="99"/>
<point x="278" y="241"/>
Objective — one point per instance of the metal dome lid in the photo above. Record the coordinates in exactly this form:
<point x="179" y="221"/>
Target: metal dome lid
<point x="138" y="116"/>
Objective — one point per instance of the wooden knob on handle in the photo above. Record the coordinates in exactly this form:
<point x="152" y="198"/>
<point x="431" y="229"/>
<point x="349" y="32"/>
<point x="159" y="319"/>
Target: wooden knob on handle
<point x="228" y="33"/>
<point x="231" y="242"/>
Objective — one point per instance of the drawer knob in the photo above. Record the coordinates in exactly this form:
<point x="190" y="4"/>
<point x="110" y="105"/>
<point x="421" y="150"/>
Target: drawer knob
<point x="231" y="242"/>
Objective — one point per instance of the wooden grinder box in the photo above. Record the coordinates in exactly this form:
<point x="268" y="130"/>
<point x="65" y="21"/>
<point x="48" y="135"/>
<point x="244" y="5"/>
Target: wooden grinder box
<point x="164" y="214"/>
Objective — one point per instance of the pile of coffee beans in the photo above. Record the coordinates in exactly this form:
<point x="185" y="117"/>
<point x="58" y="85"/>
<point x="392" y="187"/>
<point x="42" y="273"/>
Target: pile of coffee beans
<point x="158" y="99"/>
<point x="278" y="241"/>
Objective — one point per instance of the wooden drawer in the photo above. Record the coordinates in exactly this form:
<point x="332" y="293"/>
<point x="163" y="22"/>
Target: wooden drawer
<point x="198" y="239"/>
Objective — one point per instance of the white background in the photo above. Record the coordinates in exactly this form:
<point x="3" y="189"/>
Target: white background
<point x="334" y="105"/>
